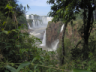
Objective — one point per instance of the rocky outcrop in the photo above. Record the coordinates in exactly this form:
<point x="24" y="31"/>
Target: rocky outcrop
<point x="52" y="32"/>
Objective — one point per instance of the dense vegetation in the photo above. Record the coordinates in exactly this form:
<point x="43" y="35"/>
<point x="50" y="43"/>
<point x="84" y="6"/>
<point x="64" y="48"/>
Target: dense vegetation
<point x="19" y="51"/>
<point x="67" y="11"/>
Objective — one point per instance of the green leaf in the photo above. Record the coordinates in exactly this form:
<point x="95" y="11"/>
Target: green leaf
<point x="6" y="32"/>
<point x="12" y="64"/>
<point x="19" y="27"/>
<point x="14" y="30"/>
<point x="21" y="66"/>
<point x="35" y="67"/>
<point x="28" y="6"/>
<point x="4" y="23"/>
<point x="8" y="6"/>
<point x="12" y="69"/>
<point x="6" y="71"/>
<point x="80" y="70"/>
<point x="30" y="71"/>
<point x="34" y="59"/>
<point x="18" y="46"/>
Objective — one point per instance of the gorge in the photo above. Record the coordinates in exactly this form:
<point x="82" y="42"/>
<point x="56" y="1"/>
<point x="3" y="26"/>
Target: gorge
<point x="42" y="28"/>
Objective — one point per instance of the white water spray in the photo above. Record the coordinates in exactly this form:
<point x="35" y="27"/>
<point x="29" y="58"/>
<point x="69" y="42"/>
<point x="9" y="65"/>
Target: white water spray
<point x="38" y="21"/>
<point x="39" y="24"/>
<point x="54" y="45"/>
<point x="29" y="26"/>
<point x="44" y="40"/>
<point x="62" y="28"/>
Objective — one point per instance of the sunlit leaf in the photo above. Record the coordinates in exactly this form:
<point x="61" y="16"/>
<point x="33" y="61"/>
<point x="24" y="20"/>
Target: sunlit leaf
<point x="80" y="70"/>
<point x="34" y="59"/>
<point x="6" y="32"/>
<point x="22" y="65"/>
<point x="12" y="69"/>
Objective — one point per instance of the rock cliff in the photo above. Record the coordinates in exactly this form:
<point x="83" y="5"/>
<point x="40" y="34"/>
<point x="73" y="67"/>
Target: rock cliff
<point x="52" y="32"/>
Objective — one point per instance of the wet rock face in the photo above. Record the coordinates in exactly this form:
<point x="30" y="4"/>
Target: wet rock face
<point x="53" y="32"/>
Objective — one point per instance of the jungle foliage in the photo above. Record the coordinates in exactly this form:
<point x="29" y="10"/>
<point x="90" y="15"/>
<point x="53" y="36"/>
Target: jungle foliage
<point x="19" y="51"/>
<point x="67" y="11"/>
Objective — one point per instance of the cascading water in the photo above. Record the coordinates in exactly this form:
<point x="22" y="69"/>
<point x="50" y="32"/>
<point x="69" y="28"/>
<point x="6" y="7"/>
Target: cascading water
<point x="38" y="21"/>
<point x="62" y="28"/>
<point x="39" y="24"/>
<point x="29" y="26"/>
<point x="54" y="45"/>
<point x="44" y="40"/>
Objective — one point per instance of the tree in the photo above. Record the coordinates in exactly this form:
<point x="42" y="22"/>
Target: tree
<point x="18" y="8"/>
<point x="66" y="10"/>
<point x="10" y="34"/>
<point x="88" y="8"/>
<point x="62" y="10"/>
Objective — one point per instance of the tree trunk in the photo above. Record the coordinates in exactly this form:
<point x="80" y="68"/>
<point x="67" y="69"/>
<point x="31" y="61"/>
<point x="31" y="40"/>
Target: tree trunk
<point x="87" y="32"/>
<point x="94" y="14"/>
<point x="63" y="48"/>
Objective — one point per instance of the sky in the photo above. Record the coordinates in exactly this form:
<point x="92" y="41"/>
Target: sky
<point x="39" y="7"/>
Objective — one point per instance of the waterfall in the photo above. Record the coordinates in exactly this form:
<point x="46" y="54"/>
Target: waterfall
<point x="39" y="24"/>
<point x="33" y="23"/>
<point x="62" y="28"/>
<point x="38" y="21"/>
<point x="54" y="45"/>
<point x="44" y="40"/>
<point x="29" y="26"/>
